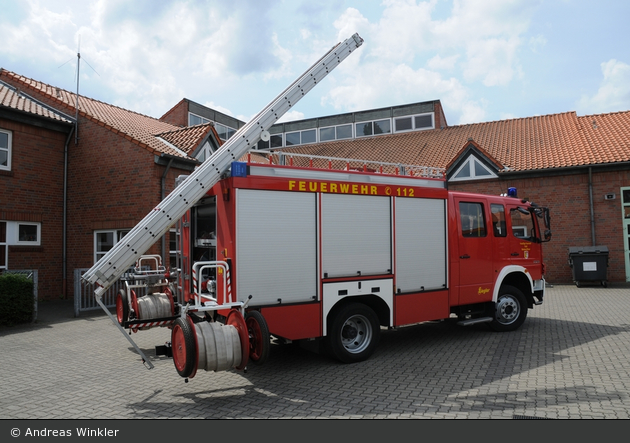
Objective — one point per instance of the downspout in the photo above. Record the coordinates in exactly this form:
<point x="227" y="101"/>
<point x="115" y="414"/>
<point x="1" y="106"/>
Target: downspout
<point x="590" y="195"/>
<point x="64" y="257"/>
<point x="162" y="195"/>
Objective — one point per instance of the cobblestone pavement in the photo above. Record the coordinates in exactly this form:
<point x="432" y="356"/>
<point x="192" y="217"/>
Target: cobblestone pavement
<point x="568" y="361"/>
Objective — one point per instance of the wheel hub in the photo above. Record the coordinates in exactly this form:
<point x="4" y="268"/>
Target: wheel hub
<point x="507" y="310"/>
<point x="349" y="332"/>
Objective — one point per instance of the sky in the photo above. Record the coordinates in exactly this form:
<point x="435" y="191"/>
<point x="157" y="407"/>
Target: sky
<point x="485" y="60"/>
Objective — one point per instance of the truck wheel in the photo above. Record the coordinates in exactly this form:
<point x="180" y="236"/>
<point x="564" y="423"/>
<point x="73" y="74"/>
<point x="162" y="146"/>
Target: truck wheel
<point x="353" y="333"/>
<point x="122" y="307"/>
<point x="510" y="309"/>
<point x="259" y="340"/>
<point x="184" y="347"/>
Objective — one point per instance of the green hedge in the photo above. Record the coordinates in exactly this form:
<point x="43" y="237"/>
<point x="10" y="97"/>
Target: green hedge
<point x="16" y="299"/>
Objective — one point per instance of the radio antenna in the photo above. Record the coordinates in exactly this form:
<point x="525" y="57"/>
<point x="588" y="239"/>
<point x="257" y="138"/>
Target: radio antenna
<point x="76" y="117"/>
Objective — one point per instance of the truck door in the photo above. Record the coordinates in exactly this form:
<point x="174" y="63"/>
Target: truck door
<point x="475" y="251"/>
<point x="525" y="247"/>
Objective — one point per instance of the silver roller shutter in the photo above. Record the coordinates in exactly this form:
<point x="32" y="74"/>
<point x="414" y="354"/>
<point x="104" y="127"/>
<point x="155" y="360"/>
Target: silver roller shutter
<point x="420" y="244"/>
<point x="356" y="235"/>
<point x="276" y="246"/>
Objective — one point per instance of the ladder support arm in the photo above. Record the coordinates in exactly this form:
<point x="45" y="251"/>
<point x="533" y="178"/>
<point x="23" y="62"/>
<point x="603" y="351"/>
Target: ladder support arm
<point x="155" y="224"/>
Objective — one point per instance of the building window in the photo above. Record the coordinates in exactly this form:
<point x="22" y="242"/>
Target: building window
<point x="292" y="138"/>
<point x="105" y="240"/>
<point x="21" y="233"/>
<point x="5" y="150"/>
<point x="377" y="127"/>
<point x="344" y="131"/>
<point x="403" y="124"/>
<point x="414" y="122"/>
<point x="309" y="136"/>
<point x="326" y="134"/>
<point x="335" y="133"/>
<point x="301" y="137"/>
<point x="194" y="119"/>
<point x="275" y="141"/>
<point x="382" y="127"/>
<point x="225" y="132"/>
<point x="28" y="234"/>
<point x="472" y="169"/>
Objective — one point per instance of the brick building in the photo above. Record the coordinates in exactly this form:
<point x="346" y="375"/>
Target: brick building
<point x="121" y="164"/>
<point x="33" y="139"/>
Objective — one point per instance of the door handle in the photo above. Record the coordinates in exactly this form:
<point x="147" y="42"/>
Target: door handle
<point x="464" y="256"/>
<point x="515" y="254"/>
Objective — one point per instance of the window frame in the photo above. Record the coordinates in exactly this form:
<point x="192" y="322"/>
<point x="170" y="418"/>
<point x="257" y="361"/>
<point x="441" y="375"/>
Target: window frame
<point x="38" y="234"/>
<point x="359" y="134"/>
<point x="413" y="119"/>
<point x="118" y="235"/>
<point x="468" y="163"/>
<point x="8" y="149"/>
<point x="13" y="233"/>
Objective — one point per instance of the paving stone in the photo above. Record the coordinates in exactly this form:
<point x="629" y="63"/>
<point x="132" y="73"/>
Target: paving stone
<point x="568" y="361"/>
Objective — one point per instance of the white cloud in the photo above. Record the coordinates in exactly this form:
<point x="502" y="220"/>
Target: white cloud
<point x="241" y="53"/>
<point x="536" y="43"/>
<point x="291" y="116"/>
<point x="614" y="91"/>
<point x="443" y="63"/>
<point x="492" y="61"/>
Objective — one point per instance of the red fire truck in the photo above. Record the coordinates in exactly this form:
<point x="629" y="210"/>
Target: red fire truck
<point x="296" y="250"/>
<point x="316" y="253"/>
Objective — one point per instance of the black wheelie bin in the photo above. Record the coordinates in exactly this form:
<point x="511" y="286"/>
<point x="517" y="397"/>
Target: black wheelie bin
<point x="589" y="264"/>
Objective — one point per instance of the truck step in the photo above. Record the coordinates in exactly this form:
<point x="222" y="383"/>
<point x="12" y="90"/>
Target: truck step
<point x="474" y="321"/>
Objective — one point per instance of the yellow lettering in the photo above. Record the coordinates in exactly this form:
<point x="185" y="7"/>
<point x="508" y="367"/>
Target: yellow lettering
<point x="355" y="189"/>
<point x="312" y="186"/>
<point x="324" y="187"/>
<point x="333" y="187"/>
<point x="291" y="185"/>
<point x="483" y="290"/>
<point x="364" y="189"/>
<point x="302" y="186"/>
<point x="344" y="187"/>
<point x="374" y="190"/>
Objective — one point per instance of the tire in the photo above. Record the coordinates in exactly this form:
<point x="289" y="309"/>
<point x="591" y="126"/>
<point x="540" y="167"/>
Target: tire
<point x="184" y="347"/>
<point x="353" y="333"/>
<point x="259" y="339"/>
<point x="122" y="307"/>
<point x="510" y="310"/>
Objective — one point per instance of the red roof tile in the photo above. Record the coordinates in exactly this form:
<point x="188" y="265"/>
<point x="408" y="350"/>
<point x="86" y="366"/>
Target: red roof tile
<point x="607" y="137"/>
<point x="139" y="128"/>
<point x="525" y="144"/>
<point x="11" y="98"/>
<point x="188" y="139"/>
